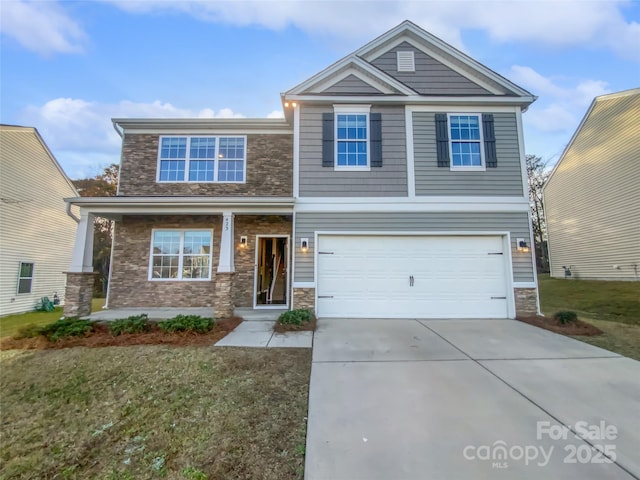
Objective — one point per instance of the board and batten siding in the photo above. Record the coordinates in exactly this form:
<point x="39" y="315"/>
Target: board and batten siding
<point x="34" y="225"/>
<point x="592" y="201"/>
<point x="389" y="180"/>
<point x="505" y="180"/>
<point x="431" y="76"/>
<point x="515" y="223"/>
<point x="351" y="85"/>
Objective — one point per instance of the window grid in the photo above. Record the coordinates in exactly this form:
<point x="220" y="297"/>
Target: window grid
<point x="351" y="136"/>
<point x="202" y="159"/>
<point x="181" y="255"/>
<point x="466" y="140"/>
<point x="25" y="277"/>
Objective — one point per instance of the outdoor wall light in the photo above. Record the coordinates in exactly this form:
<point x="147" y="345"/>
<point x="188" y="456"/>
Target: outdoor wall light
<point x="290" y="104"/>
<point x="243" y="242"/>
<point x="522" y="245"/>
<point x="304" y="245"/>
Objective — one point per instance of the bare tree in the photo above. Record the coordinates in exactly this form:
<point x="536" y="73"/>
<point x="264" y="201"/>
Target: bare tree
<point x="538" y="174"/>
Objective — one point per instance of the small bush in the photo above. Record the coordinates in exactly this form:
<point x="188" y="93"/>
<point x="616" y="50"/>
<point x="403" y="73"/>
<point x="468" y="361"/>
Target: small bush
<point x="66" y="327"/>
<point x="132" y="324"/>
<point x="28" y="331"/>
<point x="186" y="323"/>
<point x="565" y="317"/>
<point x="296" y="317"/>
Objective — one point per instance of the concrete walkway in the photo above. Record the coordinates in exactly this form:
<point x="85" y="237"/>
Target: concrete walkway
<point x="481" y="399"/>
<point x="260" y="334"/>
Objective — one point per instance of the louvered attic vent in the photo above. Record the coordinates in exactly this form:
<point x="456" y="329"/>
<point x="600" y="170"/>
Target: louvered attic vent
<point x="406" y="62"/>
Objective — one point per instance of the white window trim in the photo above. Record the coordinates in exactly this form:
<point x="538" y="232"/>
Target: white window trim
<point x="187" y="159"/>
<point x="180" y="255"/>
<point x="352" y="110"/>
<point x="33" y="271"/>
<point x="483" y="165"/>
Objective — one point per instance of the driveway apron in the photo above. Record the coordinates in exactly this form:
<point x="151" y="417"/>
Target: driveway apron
<point x="447" y="399"/>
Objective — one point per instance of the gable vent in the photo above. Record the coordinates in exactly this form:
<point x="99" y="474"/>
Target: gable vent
<point x="406" y="62"/>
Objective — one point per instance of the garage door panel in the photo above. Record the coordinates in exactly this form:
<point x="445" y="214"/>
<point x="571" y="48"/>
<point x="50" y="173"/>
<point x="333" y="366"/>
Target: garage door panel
<point x="369" y="276"/>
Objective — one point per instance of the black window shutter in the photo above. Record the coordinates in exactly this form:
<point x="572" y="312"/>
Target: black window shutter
<point x="489" y="141"/>
<point x="442" y="140"/>
<point x="328" y="150"/>
<point x="375" y="139"/>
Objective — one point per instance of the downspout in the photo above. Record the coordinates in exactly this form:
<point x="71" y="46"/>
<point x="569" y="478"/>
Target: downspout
<point x="70" y="213"/>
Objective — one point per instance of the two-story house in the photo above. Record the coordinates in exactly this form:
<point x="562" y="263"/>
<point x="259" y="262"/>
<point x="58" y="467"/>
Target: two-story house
<point x="394" y="187"/>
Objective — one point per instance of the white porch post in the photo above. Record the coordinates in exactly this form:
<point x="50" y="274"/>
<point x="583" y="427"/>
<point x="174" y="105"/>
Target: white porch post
<point x="226" y="263"/>
<point x="82" y="257"/>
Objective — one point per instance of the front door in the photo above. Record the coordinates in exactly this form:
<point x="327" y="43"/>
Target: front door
<point x="272" y="268"/>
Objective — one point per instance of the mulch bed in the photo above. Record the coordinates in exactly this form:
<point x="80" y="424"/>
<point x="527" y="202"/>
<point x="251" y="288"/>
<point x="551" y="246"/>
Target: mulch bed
<point x="549" y="323"/>
<point x="100" y="337"/>
<point x="305" y="327"/>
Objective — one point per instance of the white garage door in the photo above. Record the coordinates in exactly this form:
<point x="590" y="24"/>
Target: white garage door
<point x="411" y="277"/>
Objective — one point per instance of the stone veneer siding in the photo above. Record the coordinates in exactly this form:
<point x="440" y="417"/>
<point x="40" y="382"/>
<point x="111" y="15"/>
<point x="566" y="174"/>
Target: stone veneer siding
<point x="130" y="285"/>
<point x="78" y="294"/>
<point x="304" y="298"/>
<point x="269" y="167"/>
<point x="526" y="301"/>
<point x="222" y="297"/>
<point x="245" y="258"/>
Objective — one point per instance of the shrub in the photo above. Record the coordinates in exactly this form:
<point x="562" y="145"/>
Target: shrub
<point x="186" y="323"/>
<point x="565" y="317"/>
<point x="296" y="317"/>
<point x="132" y="324"/>
<point x="66" y="327"/>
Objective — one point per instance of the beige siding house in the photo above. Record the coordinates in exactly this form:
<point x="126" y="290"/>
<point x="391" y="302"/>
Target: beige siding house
<point x="592" y="199"/>
<point x="36" y="234"/>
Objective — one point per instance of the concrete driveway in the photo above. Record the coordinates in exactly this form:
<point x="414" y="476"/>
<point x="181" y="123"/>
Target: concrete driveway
<point x="454" y="399"/>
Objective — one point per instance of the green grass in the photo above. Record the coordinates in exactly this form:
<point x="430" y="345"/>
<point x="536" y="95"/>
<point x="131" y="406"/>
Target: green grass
<point x="10" y="324"/>
<point x="613" y="307"/>
<point x="151" y="412"/>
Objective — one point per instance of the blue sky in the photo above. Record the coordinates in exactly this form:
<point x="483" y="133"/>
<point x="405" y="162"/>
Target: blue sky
<point x="67" y="67"/>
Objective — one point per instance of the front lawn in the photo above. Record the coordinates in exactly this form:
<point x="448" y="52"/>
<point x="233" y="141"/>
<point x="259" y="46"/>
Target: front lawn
<point x="10" y="324"/>
<point x="149" y="412"/>
<point x="613" y="307"/>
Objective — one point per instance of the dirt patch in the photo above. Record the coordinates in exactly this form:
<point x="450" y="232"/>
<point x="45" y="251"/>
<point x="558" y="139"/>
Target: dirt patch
<point x="305" y="327"/>
<point x="100" y="337"/>
<point x="578" y="328"/>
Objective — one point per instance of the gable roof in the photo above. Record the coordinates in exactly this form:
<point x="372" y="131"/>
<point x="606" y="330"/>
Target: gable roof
<point x="429" y="44"/>
<point x="602" y="122"/>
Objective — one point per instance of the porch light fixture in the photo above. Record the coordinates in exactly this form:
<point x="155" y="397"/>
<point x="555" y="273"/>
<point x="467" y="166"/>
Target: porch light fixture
<point x="522" y="245"/>
<point x="243" y="242"/>
<point x="304" y="245"/>
<point x="290" y="104"/>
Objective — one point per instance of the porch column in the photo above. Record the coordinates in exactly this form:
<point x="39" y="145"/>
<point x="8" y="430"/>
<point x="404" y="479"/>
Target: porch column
<point x="80" y="277"/>
<point x="223" y="294"/>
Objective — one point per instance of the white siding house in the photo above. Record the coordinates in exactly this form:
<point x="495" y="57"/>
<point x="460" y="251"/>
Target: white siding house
<point x="36" y="234"/>
<point x="592" y="199"/>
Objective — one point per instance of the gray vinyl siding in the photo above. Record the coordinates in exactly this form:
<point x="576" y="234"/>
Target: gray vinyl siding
<point x="592" y="200"/>
<point x="352" y="85"/>
<point x="390" y="180"/>
<point x="431" y="77"/>
<point x="308" y="223"/>
<point x="505" y="180"/>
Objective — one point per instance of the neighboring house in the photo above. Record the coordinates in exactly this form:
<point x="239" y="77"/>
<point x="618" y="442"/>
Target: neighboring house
<point x="394" y="187"/>
<point x="592" y="198"/>
<point x="36" y="234"/>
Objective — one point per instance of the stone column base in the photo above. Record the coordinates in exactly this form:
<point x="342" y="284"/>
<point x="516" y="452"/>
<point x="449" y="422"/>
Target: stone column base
<point x="304" y="298"/>
<point x="526" y="301"/>
<point x="222" y="296"/>
<point x="78" y="294"/>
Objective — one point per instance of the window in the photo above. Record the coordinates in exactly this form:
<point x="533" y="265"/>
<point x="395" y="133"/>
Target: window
<point x="466" y="141"/>
<point x="181" y="255"/>
<point x="351" y="138"/>
<point x="202" y="159"/>
<point x="25" y="277"/>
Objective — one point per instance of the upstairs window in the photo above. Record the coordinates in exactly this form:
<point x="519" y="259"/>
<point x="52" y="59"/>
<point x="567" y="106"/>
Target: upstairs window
<point x="25" y="277"/>
<point x="466" y="141"/>
<point x="202" y="159"/>
<point x="352" y="139"/>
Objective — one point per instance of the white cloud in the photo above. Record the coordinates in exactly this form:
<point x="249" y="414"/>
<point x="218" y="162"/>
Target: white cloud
<point x="276" y="114"/>
<point x="81" y="135"/>
<point x="597" y="23"/>
<point x="42" y="27"/>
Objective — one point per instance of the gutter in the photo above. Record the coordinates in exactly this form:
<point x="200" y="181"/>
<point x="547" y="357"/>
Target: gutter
<point x="70" y="213"/>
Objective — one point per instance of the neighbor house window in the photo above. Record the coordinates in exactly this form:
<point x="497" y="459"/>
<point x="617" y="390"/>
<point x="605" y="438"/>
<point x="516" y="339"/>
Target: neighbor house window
<point x="181" y="255"/>
<point x="202" y="159"/>
<point x="25" y="277"/>
<point x="465" y="134"/>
